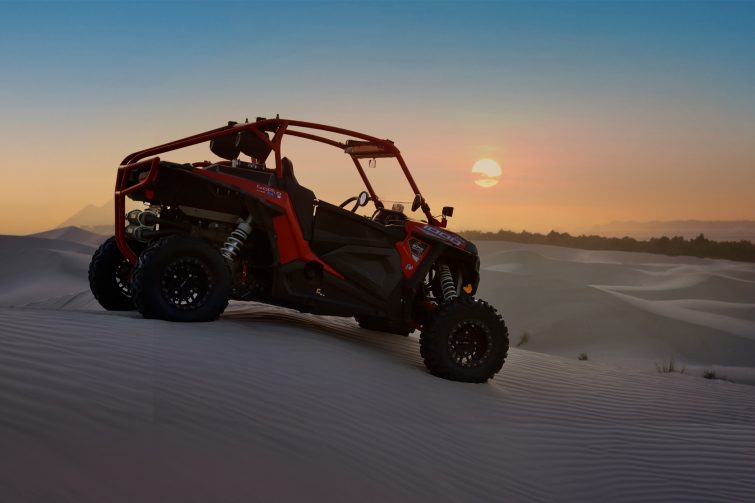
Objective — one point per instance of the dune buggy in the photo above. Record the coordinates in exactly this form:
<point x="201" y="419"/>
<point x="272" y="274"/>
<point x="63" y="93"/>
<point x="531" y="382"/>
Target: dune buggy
<point x="238" y="229"/>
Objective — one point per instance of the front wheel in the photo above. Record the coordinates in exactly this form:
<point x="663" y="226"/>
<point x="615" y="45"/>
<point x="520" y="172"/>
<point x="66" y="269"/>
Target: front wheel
<point x="464" y="340"/>
<point x="181" y="279"/>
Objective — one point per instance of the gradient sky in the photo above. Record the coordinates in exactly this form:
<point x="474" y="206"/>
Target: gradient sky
<point x="596" y="111"/>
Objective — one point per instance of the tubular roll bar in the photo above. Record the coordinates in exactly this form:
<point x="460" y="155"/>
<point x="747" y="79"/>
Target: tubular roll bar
<point x="120" y="198"/>
<point x="280" y="127"/>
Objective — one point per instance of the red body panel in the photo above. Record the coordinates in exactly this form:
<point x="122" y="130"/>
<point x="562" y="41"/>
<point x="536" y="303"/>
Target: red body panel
<point x="409" y="259"/>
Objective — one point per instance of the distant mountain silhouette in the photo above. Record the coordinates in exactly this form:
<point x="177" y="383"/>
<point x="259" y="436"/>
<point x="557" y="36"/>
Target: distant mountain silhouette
<point x="96" y="219"/>
<point x="699" y="246"/>
<point x="721" y="230"/>
<point x="73" y="234"/>
<point x="91" y="216"/>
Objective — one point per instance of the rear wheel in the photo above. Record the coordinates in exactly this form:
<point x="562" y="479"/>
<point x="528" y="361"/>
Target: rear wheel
<point x="181" y="279"/>
<point x="464" y="340"/>
<point x="110" y="277"/>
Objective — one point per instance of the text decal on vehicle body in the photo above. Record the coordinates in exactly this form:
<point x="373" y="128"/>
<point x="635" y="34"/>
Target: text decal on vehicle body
<point x="269" y="191"/>
<point x="444" y="235"/>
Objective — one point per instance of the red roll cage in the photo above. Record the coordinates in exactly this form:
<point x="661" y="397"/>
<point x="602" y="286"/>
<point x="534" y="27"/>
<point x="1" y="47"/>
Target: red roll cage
<point x="364" y="147"/>
<point x="369" y="148"/>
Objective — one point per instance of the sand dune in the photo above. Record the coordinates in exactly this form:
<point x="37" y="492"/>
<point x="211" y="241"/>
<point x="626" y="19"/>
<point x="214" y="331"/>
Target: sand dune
<point x="111" y="407"/>
<point x="74" y="234"/>
<point x="33" y="268"/>
<point x="629" y="308"/>
<point x="270" y="404"/>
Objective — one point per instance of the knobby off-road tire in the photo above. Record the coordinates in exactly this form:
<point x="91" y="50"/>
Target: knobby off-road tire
<point x="110" y="277"/>
<point x="181" y="279"/>
<point x="383" y="325"/>
<point x="464" y="340"/>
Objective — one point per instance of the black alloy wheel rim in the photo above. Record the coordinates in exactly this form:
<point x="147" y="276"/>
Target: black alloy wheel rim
<point x="469" y="343"/>
<point x="186" y="283"/>
<point x="123" y="277"/>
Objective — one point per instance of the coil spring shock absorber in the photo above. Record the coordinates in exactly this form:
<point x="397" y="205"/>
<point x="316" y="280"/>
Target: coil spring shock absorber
<point x="236" y="239"/>
<point x="447" y="285"/>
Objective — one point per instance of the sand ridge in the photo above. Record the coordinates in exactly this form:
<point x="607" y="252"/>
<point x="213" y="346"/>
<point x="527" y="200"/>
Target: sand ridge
<point x="346" y="408"/>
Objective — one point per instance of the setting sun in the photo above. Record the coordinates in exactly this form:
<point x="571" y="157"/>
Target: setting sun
<point x="487" y="171"/>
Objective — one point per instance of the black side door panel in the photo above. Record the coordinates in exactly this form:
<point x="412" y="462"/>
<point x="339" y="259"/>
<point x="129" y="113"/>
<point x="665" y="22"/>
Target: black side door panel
<point x="361" y="250"/>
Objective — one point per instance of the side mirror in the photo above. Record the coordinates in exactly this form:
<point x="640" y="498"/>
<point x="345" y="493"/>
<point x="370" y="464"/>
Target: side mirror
<point x="417" y="202"/>
<point x="363" y="198"/>
<point x="448" y="211"/>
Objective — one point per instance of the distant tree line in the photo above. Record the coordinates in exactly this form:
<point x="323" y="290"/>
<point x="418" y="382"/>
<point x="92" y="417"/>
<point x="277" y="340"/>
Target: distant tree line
<point x="696" y="247"/>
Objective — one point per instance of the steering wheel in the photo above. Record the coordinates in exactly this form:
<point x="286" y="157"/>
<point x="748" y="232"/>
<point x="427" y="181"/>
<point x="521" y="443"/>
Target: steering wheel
<point x="361" y="200"/>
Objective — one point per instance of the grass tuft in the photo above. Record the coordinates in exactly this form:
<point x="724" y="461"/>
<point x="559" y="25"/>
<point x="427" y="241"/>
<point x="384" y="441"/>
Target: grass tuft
<point x="523" y="340"/>
<point x="711" y="374"/>
<point x="582" y="356"/>
<point x="669" y="366"/>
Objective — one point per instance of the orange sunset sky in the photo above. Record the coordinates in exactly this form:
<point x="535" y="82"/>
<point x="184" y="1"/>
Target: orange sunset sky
<point x="595" y="112"/>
